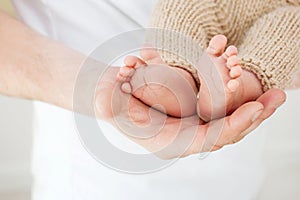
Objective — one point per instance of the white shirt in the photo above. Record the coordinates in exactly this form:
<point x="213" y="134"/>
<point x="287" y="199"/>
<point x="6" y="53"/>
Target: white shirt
<point x="64" y="170"/>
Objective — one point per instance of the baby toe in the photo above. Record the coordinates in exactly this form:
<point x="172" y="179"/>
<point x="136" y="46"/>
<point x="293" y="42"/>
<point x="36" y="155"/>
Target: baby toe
<point x="121" y="78"/>
<point x="217" y="45"/>
<point x="231" y="51"/>
<point x="151" y="55"/>
<point x="235" y="72"/>
<point x="233" y="85"/>
<point x="126" y="88"/>
<point x="232" y="61"/>
<point x="130" y="61"/>
<point x="126" y="72"/>
<point x="133" y="62"/>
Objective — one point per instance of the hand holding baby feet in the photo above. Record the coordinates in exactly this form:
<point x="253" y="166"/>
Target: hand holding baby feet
<point x="224" y="85"/>
<point x="168" y="89"/>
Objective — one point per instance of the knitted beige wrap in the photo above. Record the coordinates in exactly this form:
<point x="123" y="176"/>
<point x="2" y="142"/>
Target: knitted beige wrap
<point x="271" y="48"/>
<point x="185" y="29"/>
<point x="200" y="20"/>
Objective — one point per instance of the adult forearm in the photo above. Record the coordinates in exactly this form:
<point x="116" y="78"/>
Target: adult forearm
<point x="35" y="67"/>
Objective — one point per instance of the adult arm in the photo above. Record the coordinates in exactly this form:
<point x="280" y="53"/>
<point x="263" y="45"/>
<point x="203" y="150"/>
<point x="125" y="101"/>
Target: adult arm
<point x="35" y="67"/>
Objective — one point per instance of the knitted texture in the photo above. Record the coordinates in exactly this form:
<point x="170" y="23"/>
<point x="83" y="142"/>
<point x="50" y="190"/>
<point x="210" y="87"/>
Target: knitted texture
<point x="239" y="15"/>
<point x="271" y="48"/>
<point x="294" y="2"/>
<point x="200" y="20"/>
<point x="184" y="30"/>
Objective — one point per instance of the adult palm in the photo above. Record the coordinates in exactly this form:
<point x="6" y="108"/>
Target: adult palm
<point x="169" y="137"/>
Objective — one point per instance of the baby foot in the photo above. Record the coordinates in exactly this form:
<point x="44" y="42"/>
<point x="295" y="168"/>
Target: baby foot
<point x="168" y="89"/>
<point x="224" y="85"/>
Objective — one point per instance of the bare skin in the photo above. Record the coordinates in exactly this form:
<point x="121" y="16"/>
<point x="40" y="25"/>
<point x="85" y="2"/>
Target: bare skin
<point x="224" y="85"/>
<point x="176" y="131"/>
<point x="169" y="90"/>
<point x="38" y="68"/>
<point x="229" y="86"/>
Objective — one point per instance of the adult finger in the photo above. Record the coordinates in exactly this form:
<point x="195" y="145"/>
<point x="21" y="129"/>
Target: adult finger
<point x="218" y="133"/>
<point x="271" y="100"/>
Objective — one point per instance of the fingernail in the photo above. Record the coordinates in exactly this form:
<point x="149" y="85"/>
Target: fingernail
<point x="256" y="115"/>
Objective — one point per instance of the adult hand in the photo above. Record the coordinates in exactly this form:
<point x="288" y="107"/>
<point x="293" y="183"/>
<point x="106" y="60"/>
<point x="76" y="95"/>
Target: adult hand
<point x="49" y="73"/>
<point x="169" y="137"/>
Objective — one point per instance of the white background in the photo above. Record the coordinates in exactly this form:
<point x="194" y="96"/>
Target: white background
<point x="282" y="150"/>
